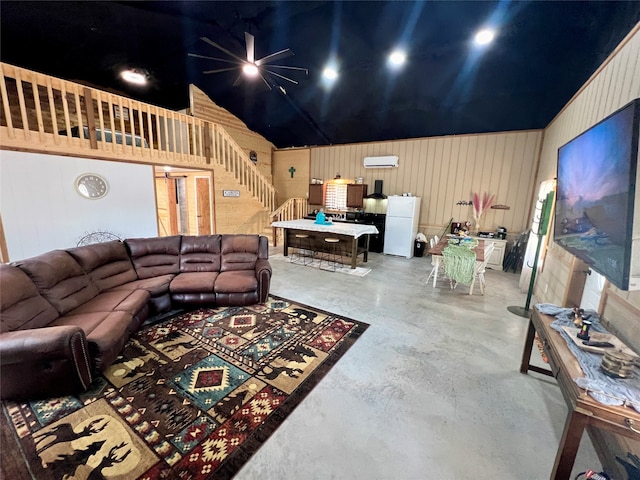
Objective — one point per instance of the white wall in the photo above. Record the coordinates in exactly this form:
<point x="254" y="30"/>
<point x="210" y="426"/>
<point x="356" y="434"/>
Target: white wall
<point x="42" y="211"/>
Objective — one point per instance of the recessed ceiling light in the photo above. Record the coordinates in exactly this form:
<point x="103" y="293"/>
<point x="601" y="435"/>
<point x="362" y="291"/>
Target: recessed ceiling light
<point x="397" y="58"/>
<point x="250" y="69"/>
<point x="135" y="77"/>
<point x="483" y="37"/>
<point x="330" y="73"/>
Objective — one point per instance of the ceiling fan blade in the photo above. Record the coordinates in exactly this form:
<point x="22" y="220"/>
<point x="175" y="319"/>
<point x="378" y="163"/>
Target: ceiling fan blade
<point x="264" y="80"/>
<point x="219" y="47"/>
<point x="250" y="41"/>
<point x="282" y="76"/>
<point x="274" y="56"/>
<point x="238" y="80"/>
<point x="214" y="58"/>
<point x="290" y="68"/>
<point x="220" y="70"/>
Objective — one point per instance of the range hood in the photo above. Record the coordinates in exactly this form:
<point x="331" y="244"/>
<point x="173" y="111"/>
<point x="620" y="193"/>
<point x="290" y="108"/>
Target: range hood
<point x="377" y="190"/>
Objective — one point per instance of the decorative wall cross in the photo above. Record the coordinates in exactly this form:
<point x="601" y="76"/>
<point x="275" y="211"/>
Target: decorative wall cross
<point x="292" y="171"/>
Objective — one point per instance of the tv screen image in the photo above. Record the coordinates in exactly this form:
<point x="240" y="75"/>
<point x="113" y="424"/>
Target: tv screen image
<point x="595" y="194"/>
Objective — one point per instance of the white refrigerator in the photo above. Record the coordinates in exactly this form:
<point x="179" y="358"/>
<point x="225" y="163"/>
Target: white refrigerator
<point x="401" y="226"/>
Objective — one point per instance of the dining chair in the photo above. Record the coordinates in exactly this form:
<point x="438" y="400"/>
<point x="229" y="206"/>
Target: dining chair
<point x="480" y="267"/>
<point x="435" y="262"/>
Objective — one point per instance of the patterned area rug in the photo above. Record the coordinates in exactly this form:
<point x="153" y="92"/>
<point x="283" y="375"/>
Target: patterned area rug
<point x="192" y="397"/>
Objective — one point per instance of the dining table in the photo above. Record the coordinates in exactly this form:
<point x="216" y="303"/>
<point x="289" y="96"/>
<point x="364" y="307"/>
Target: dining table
<point x="436" y="253"/>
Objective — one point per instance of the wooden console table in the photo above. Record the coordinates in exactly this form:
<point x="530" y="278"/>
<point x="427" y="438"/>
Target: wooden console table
<point x="583" y="410"/>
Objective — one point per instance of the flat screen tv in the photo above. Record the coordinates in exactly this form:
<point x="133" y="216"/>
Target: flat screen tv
<point x="595" y="194"/>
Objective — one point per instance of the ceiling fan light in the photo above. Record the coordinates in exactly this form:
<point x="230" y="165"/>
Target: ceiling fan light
<point x="250" y="69"/>
<point x="132" y="76"/>
<point x="484" y="37"/>
<point x="330" y="73"/>
<point x="397" y="58"/>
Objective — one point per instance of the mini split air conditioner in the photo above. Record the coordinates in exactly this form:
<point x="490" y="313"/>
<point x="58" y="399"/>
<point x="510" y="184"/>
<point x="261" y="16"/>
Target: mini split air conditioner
<point x="389" y="161"/>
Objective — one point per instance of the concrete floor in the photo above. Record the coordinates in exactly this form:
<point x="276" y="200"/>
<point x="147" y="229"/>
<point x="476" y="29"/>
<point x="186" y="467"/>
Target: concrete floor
<point x="431" y="390"/>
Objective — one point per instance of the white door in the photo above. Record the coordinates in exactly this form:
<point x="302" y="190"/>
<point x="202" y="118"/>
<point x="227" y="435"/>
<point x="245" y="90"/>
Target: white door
<point x="592" y="291"/>
<point x="397" y="237"/>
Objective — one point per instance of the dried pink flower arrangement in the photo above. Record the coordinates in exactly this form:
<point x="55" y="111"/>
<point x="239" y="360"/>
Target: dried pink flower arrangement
<point x="480" y="205"/>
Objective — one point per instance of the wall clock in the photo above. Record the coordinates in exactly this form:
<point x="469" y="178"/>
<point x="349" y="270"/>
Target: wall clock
<point x="92" y="186"/>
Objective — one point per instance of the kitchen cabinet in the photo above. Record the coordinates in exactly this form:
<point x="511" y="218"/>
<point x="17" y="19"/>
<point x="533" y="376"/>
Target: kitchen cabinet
<point x="497" y="256"/>
<point x="355" y="194"/>
<point x="316" y="194"/>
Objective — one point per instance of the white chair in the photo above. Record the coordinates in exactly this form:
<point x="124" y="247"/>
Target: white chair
<point x="480" y="267"/>
<point x="435" y="262"/>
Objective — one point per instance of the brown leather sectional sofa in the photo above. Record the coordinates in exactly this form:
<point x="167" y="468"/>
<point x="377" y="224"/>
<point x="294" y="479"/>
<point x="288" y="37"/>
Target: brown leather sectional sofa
<point x="65" y="315"/>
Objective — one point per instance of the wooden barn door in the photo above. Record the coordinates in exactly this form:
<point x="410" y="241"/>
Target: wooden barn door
<point x="166" y="201"/>
<point x="204" y="212"/>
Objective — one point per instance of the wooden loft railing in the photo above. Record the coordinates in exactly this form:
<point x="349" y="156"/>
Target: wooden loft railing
<point x="47" y="114"/>
<point x="292" y="209"/>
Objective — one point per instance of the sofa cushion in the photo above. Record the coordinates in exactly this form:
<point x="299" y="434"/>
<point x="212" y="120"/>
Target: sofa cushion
<point x="193" y="282"/>
<point x="156" y="286"/>
<point x="106" y="334"/>
<point x="60" y="279"/>
<point x="200" y="253"/>
<point x="236" y="281"/>
<point x="21" y="304"/>
<point x="239" y="252"/>
<point x="108" y="263"/>
<point x="130" y="301"/>
<point x="153" y="257"/>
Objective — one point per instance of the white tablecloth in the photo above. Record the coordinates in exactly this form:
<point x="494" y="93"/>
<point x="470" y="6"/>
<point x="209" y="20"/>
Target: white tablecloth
<point x="353" y="229"/>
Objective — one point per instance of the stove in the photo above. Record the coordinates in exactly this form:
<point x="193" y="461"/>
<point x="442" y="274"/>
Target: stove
<point x="376" y="242"/>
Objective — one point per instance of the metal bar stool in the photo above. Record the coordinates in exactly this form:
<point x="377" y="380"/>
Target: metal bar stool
<point x="304" y="250"/>
<point x="333" y="252"/>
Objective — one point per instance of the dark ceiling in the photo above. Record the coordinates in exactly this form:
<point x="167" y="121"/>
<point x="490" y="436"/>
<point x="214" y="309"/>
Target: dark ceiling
<point x="543" y="53"/>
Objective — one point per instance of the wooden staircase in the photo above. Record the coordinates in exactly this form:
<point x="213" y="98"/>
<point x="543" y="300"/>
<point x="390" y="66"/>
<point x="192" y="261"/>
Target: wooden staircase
<point x="292" y="209"/>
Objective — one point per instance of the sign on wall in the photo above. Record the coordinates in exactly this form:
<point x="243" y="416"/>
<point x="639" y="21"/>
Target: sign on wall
<point x="231" y="193"/>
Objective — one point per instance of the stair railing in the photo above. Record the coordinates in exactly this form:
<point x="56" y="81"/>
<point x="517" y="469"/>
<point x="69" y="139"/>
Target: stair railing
<point x="292" y="209"/>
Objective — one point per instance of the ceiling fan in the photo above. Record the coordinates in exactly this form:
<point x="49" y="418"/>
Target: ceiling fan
<point x="251" y="67"/>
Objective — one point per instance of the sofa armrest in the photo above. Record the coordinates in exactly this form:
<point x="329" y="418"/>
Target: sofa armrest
<point x="263" y="274"/>
<point x="46" y="361"/>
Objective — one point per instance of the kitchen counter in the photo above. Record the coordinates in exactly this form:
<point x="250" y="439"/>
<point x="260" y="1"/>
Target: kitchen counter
<point x="361" y="221"/>
<point x="346" y="231"/>
<point x="376" y="240"/>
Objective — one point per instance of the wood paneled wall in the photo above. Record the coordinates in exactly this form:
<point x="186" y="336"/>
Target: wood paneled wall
<point x="287" y="186"/>
<point x="229" y="209"/>
<point x="254" y="218"/>
<point x="616" y="83"/>
<point x="204" y="108"/>
<point x="446" y="170"/>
